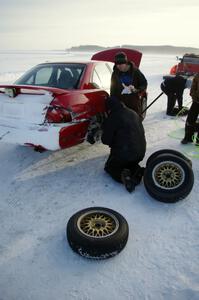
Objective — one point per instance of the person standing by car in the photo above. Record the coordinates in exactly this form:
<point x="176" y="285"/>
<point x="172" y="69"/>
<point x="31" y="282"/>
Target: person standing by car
<point x="173" y="87"/>
<point x="124" y="133"/>
<point x="127" y="82"/>
<point x="190" y="126"/>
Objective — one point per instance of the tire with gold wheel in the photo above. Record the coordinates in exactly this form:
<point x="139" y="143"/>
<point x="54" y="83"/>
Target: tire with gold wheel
<point x="168" y="151"/>
<point x="97" y="232"/>
<point x="168" y="178"/>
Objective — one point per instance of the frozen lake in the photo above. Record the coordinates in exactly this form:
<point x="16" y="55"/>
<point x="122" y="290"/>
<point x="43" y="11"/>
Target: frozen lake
<point x="40" y="192"/>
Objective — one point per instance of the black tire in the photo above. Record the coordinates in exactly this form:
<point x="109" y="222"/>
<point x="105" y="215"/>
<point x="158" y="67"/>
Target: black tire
<point x="168" y="151"/>
<point x="97" y="232"/>
<point x="95" y="128"/>
<point x="168" y="178"/>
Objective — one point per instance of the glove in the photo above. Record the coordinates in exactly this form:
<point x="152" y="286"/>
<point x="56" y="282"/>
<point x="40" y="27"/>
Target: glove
<point x="133" y="89"/>
<point x="126" y="90"/>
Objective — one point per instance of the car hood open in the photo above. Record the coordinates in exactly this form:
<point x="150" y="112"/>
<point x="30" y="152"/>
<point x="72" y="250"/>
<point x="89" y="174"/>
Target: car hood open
<point x="109" y="55"/>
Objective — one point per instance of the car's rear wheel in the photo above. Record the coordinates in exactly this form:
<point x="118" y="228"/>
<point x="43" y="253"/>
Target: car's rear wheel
<point x="97" y="232"/>
<point x="95" y="128"/>
<point x="168" y="178"/>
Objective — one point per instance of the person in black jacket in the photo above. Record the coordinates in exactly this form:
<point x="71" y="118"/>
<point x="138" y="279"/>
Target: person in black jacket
<point x="191" y="125"/>
<point x="124" y="133"/>
<point x="173" y="87"/>
<point x="127" y="82"/>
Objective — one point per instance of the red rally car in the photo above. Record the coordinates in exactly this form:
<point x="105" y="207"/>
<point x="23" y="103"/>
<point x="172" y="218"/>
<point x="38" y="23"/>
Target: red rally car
<point x="188" y="65"/>
<point x="57" y="105"/>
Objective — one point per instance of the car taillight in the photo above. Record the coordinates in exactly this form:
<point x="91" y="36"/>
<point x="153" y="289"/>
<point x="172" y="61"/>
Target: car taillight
<point x="58" y="114"/>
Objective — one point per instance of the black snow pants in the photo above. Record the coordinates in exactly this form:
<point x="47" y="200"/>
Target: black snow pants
<point x="191" y="126"/>
<point x="171" y="99"/>
<point x="114" y="167"/>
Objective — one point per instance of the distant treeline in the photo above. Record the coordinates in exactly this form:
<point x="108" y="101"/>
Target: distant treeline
<point x="163" y="49"/>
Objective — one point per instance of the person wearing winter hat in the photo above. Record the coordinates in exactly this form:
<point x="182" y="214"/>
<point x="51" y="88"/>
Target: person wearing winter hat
<point x="121" y="58"/>
<point x="127" y="82"/>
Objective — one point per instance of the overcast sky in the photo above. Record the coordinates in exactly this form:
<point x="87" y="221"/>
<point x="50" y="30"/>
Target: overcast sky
<point x="59" y="24"/>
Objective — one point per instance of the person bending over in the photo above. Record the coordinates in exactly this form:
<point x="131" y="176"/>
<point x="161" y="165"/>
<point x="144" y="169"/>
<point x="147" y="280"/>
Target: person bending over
<point x="173" y="87"/>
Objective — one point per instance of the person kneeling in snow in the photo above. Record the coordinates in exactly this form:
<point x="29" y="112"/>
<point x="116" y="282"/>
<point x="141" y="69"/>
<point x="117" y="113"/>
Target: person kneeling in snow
<point x="124" y="133"/>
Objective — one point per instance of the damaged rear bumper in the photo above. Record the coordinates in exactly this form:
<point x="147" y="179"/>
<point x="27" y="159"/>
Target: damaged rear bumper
<point x="49" y="136"/>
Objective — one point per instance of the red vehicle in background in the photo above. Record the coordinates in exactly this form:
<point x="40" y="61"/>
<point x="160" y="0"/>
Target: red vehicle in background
<point x="57" y="105"/>
<point x="188" y="65"/>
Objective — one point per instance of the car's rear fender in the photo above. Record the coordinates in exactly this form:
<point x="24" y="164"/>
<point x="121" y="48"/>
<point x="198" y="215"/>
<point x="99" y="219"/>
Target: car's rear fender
<point x="83" y="104"/>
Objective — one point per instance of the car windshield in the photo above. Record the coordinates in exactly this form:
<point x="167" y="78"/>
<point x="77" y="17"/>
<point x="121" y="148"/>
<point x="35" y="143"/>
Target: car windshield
<point x="191" y="60"/>
<point x="59" y="75"/>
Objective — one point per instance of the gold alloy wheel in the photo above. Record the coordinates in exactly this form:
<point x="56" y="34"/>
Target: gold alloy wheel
<point x="168" y="175"/>
<point x="98" y="224"/>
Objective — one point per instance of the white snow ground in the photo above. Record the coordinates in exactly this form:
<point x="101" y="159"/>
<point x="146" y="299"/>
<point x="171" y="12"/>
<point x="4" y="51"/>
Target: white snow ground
<point x="39" y="193"/>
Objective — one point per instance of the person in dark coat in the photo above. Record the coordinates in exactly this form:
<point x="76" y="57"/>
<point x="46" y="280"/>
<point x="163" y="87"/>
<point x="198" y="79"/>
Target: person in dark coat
<point x="124" y="133"/>
<point x="127" y="82"/>
<point x="173" y="87"/>
<point x="191" y="126"/>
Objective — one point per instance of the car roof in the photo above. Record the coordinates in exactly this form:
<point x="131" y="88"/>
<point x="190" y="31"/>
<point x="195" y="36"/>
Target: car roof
<point x="63" y="62"/>
<point x="88" y="62"/>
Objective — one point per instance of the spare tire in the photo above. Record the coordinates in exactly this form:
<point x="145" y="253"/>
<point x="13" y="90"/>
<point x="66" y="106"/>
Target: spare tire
<point x="97" y="232"/>
<point x="168" y="178"/>
<point x="168" y="151"/>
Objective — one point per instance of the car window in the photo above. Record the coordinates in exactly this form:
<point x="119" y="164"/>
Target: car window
<point x="43" y="75"/>
<point x="64" y="76"/>
<point x="97" y="82"/>
<point x="104" y="75"/>
<point x="191" y="60"/>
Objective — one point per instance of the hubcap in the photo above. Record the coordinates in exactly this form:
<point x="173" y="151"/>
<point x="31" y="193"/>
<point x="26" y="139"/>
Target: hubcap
<point x="168" y="175"/>
<point x="98" y="224"/>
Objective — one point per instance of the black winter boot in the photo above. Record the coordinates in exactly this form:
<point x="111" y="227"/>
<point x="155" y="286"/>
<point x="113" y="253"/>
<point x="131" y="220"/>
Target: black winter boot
<point x="138" y="174"/>
<point x="126" y="178"/>
<point x="189" y="132"/>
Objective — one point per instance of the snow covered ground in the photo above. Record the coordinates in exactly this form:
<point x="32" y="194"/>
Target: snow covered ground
<point x="39" y="193"/>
